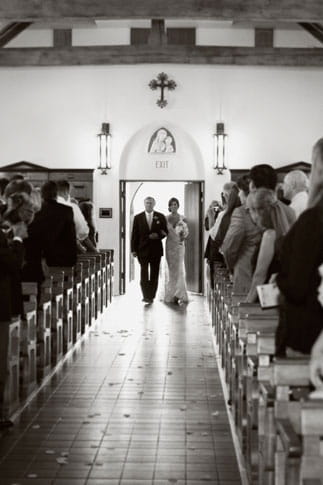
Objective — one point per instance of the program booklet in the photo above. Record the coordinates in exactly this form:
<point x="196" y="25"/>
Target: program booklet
<point x="268" y="295"/>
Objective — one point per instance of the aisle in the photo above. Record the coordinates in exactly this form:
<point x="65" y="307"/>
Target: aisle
<point x="139" y="403"/>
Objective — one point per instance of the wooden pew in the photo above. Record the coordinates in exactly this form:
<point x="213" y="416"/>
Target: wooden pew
<point x="311" y="466"/>
<point x="110" y="276"/>
<point x="89" y="266"/>
<point x="77" y="301"/>
<point x="63" y="280"/>
<point x="105" y="285"/>
<point x="268" y="393"/>
<point x="52" y="291"/>
<point x="28" y="341"/>
<point x="82" y="269"/>
<point x="11" y="392"/>
<point x="299" y="453"/>
<point x="44" y="329"/>
<point x="244" y="325"/>
<point x="279" y="398"/>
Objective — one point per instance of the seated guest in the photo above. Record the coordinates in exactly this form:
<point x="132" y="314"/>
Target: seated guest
<point x="51" y="236"/>
<point x="11" y="303"/>
<point x="264" y="176"/>
<point x="17" y="176"/>
<point x="212" y="214"/>
<point x="3" y="184"/>
<point x="11" y="260"/>
<point x="83" y="242"/>
<point x="267" y="212"/>
<point x="230" y="202"/>
<point x="87" y="209"/>
<point x="20" y="207"/>
<point x="233" y="202"/>
<point x="209" y="221"/>
<point x="213" y="252"/>
<point x="296" y="190"/>
<point x="301" y="315"/>
<point x="36" y="198"/>
<point x="64" y="197"/>
<point x="241" y="242"/>
<point x="280" y="193"/>
<point x="16" y="186"/>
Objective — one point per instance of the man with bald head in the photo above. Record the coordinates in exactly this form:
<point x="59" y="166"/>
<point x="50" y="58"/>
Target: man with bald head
<point x="149" y="228"/>
<point x="296" y="190"/>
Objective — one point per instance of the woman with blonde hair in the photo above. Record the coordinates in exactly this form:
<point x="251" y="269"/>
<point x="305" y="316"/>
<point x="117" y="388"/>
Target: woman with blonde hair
<point x="269" y="215"/>
<point x="301" y="315"/>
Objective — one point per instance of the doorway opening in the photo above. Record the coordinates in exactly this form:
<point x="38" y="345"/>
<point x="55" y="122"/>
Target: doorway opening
<point x="191" y="198"/>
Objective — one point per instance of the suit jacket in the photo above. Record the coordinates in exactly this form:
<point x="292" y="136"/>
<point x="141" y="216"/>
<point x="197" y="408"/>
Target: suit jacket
<point x="239" y="246"/>
<point x="11" y="258"/>
<point x="301" y="317"/>
<point x="51" y="236"/>
<point x="290" y="213"/>
<point x="146" y="248"/>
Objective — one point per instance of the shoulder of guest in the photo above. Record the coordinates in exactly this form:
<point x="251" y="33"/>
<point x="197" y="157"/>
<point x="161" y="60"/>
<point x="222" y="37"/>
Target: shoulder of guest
<point x="239" y="211"/>
<point x="65" y="208"/>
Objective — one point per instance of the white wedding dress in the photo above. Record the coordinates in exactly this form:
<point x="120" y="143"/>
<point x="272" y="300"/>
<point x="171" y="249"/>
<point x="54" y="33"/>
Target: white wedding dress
<point x="174" y="274"/>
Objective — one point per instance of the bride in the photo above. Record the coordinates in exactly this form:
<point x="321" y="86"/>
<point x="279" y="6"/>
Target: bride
<point x="175" y="284"/>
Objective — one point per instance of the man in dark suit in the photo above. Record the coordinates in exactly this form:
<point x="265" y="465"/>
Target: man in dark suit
<point x="149" y="228"/>
<point x="11" y="259"/>
<point x="51" y="236"/>
<point x="265" y="176"/>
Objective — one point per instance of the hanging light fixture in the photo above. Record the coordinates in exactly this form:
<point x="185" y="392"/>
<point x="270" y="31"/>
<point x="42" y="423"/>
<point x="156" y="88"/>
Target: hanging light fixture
<point x="219" y="148"/>
<point x="104" y="140"/>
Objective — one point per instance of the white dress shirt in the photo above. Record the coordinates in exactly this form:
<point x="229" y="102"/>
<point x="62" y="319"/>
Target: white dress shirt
<point x="299" y="203"/>
<point x="149" y="218"/>
<point x="81" y="226"/>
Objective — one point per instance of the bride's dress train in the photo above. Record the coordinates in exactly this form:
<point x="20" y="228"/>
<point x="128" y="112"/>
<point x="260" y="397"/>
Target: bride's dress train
<point x="174" y="271"/>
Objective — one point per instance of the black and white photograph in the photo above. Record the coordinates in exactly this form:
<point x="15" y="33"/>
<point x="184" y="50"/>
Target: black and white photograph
<point x="161" y="242"/>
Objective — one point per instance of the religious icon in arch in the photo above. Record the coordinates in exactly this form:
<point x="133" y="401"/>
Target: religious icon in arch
<point x="162" y="141"/>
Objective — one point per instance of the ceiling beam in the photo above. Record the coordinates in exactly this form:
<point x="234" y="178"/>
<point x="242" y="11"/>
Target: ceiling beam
<point x="251" y="10"/>
<point x="11" y="31"/>
<point x="144" y="54"/>
<point x="315" y="29"/>
<point x="157" y="35"/>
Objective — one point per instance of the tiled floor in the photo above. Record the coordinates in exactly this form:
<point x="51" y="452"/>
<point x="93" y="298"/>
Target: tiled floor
<point x="139" y="403"/>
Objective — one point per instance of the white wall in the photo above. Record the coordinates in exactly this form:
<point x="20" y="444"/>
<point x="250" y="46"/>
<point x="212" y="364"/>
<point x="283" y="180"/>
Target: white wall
<point x="51" y="116"/>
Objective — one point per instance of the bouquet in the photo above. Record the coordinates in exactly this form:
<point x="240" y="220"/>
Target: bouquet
<point x="181" y="230"/>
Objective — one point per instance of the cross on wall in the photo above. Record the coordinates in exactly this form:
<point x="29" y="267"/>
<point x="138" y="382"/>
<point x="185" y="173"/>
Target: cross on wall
<point x="162" y="82"/>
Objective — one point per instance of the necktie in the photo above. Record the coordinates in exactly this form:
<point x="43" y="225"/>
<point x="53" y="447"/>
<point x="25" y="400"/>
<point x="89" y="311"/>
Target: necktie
<point x="149" y="219"/>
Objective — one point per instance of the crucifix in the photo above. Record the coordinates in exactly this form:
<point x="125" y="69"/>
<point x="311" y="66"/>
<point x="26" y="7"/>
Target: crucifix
<point x="162" y="82"/>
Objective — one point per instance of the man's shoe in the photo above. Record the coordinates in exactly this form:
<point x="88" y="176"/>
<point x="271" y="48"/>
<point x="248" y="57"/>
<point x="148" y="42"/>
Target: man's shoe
<point x="147" y="300"/>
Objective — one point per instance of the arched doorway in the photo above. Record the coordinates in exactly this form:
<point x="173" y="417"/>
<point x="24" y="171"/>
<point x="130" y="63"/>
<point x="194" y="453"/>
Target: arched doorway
<point x="141" y="165"/>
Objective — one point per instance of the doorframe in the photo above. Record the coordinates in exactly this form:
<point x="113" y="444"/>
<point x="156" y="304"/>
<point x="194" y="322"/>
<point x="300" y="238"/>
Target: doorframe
<point x="123" y="235"/>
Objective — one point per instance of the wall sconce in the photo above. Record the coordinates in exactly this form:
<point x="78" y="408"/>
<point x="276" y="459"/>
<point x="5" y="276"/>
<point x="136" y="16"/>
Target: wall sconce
<point x="104" y="140"/>
<point x="219" y="148"/>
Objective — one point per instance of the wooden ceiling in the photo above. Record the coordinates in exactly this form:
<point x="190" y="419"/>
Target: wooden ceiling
<point x="278" y="10"/>
<point x="17" y="15"/>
